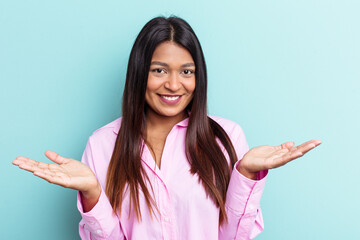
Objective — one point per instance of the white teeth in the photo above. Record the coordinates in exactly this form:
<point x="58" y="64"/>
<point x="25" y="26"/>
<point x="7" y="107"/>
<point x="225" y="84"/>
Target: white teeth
<point x="170" y="98"/>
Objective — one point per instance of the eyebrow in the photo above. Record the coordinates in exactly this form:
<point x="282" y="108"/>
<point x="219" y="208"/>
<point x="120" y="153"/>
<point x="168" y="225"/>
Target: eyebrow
<point x="167" y="65"/>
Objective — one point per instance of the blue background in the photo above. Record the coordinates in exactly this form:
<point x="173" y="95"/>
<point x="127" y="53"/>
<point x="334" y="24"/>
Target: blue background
<point x="283" y="69"/>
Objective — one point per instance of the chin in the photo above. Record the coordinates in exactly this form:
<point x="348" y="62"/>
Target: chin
<point x="171" y="113"/>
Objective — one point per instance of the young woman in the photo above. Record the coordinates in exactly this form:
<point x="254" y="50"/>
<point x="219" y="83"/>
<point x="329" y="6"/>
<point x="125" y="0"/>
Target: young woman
<point x="165" y="169"/>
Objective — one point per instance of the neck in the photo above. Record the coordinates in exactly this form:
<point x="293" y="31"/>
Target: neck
<point x="163" y="123"/>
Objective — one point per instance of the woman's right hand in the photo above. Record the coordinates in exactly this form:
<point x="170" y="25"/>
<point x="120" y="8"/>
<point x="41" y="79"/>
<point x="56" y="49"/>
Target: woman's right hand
<point x="68" y="173"/>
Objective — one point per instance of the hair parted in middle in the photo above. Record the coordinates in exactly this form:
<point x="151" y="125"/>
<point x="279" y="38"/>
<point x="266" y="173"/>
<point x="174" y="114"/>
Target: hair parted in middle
<point x="125" y="172"/>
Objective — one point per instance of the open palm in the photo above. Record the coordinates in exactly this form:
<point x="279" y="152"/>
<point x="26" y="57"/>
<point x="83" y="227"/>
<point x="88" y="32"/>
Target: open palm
<point x="66" y="172"/>
<point x="268" y="157"/>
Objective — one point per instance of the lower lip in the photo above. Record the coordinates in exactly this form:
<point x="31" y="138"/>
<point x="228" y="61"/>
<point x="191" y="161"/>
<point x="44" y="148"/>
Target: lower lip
<point x="170" y="102"/>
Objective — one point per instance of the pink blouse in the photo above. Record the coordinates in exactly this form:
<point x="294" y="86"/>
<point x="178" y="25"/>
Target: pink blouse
<point x="185" y="210"/>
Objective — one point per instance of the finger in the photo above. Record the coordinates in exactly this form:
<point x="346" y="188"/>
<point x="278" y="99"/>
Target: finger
<point x="285" y="145"/>
<point x="50" y="177"/>
<point x="280" y="160"/>
<point x="281" y="152"/>
<point x="16" y="162"/>
<point x="26" y="167"/>
<point x="293" y="154"/>
<point x="315" y="142"/>
<point x="21" y="159"/>
<point x="304" y="148"/>
<point x="284" y="156"/>
<point x="276" y="158"/>
<point x="53" y="156"/>
<point x="29" y="164"/>
<point x="31" y="167"/>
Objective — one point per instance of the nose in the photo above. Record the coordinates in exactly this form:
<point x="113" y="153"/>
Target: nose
<point x="173" y="82"/>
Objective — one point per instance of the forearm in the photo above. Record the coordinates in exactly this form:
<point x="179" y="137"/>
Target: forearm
<point x="100" y="222"/>
<point x="243" y="205"/>
<point x="90" y="198"/>
<point x="246" y="173"/>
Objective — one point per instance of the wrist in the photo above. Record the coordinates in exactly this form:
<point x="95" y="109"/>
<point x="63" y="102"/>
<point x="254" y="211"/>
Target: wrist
<point x="246" y="173"/>
<point x="93" y="192"/>
<point x="90" y="198"/>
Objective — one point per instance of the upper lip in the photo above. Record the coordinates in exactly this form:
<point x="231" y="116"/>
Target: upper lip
<point x="169" y="95"/>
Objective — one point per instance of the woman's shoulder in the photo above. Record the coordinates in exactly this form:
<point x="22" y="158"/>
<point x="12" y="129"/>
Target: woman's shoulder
<point x="231" y="128"/>
<point x="110" y="129"/>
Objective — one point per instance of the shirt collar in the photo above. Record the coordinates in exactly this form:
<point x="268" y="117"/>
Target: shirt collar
<point x="183" y="123"/>
<point x="117" y="126"/>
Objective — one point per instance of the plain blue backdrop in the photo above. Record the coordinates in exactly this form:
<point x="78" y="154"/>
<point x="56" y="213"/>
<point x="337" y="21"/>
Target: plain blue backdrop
<point x="285" y="70"/>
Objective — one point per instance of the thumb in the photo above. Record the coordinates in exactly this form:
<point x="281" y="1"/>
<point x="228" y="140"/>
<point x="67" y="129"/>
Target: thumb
<point x="53" y="156"/>
<point x="287" y="145"/>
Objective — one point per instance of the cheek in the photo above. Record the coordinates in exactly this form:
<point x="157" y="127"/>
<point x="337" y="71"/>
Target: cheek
<point x="147" y="96"/>
<point x="149" y="90"/>
<point x="190" y="86"/>
<point x="153" y="84"/>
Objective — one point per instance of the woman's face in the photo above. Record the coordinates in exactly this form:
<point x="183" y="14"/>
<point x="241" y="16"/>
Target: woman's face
<point x="171" y="80"/>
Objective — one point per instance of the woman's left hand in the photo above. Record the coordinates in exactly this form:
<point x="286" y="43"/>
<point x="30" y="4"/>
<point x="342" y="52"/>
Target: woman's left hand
<point x="268" y="157"/>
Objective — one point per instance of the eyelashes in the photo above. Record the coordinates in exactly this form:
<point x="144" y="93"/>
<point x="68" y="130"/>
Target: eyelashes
<point x="163" y="71"/>
<point x="188" y="72"/>
<point x="158" y="70"/>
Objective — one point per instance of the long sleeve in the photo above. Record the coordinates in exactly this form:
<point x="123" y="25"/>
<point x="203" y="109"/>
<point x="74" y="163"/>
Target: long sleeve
<point x="99" y="222"/>
<point x="243" y="199"/>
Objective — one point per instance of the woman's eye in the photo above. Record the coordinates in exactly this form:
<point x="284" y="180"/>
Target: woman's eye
<point x="158" y="70"/>
<point x="188" y="72"/>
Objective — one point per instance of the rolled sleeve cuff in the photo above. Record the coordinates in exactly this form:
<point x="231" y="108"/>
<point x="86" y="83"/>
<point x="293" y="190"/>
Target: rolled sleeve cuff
<point x="244" y="194"/>
<point x="100" y="220"/>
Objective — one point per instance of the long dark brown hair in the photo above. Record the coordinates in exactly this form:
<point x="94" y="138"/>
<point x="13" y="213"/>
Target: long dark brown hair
<point x="125" y="172"/>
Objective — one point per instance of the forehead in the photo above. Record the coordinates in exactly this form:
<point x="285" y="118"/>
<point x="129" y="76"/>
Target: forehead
<point x="171" y="53"/>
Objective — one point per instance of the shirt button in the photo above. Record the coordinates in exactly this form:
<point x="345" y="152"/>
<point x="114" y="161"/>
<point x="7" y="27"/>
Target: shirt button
<point x="92" y="223"/>
<point x="167" y="219"/>
<point x="98" y="231"/>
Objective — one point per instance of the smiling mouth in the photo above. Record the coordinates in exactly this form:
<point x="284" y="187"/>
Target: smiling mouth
<point x="170" y="99"/>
